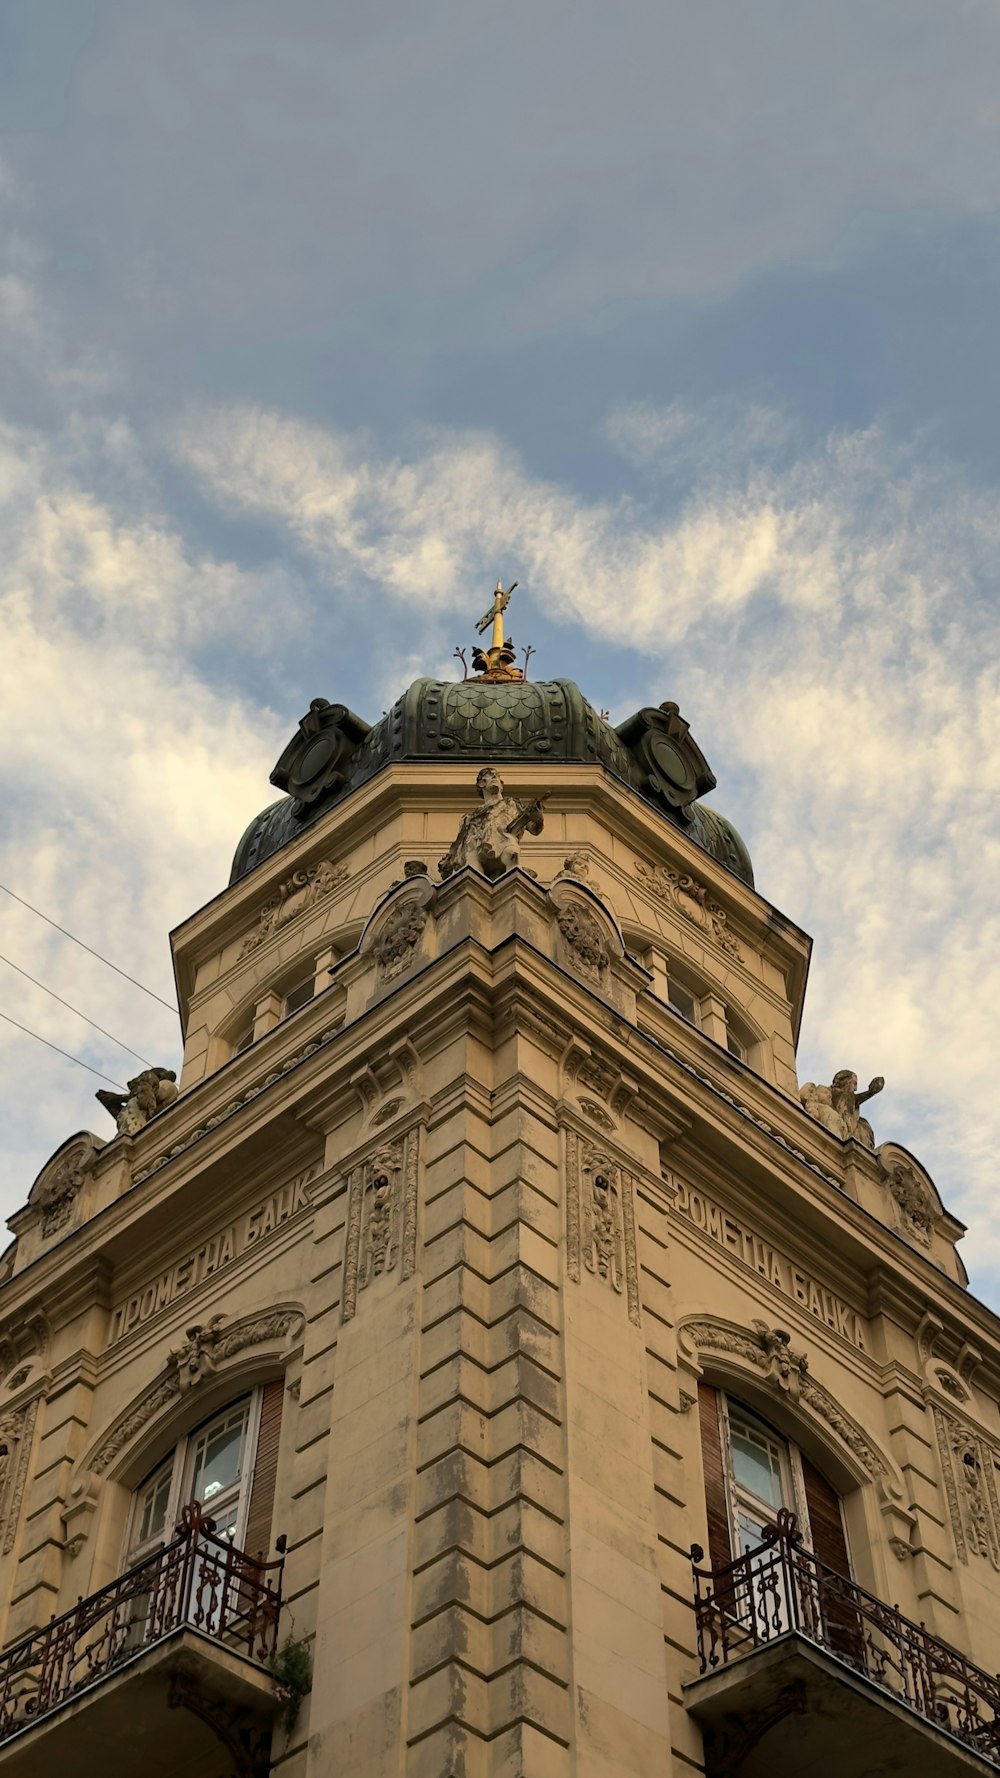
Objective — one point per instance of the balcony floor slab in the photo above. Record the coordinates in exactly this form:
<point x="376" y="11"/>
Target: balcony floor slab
<point x="792" y="1707"/>
<point x="148" y="1716"/>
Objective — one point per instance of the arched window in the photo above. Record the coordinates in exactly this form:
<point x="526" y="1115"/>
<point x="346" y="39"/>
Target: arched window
<point x="228" y="1464"/>
<point x="751" y="1473"/>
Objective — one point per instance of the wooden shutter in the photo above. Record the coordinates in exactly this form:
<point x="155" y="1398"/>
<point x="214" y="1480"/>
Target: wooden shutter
<point x="720" y="1549"/>
<point x="841" y="1623"/>
<point x="257" y="1541"/>
<point x="825" y="1521"/>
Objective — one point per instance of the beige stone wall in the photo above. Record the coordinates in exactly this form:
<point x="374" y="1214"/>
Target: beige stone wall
<point x="491" y="1210"/>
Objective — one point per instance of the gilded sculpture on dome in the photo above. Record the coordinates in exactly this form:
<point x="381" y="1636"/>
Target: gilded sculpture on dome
<point x="495" y="664"/>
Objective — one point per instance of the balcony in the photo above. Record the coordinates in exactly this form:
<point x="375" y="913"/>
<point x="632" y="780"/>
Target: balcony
<point x="163" y="1671"/>
<point x="803" y="1671"/>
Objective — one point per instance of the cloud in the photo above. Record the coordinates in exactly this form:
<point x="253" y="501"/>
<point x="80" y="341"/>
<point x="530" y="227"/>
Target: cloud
<point x="829" y="622"/>
<point x="126" y="776"/>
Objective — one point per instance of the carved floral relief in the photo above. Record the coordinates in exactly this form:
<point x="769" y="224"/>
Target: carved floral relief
<point x="61" y="1181"/>
<point x="585" y="940"/>
<point x="302" y="890"/>
<point x="381" y="1218"/>
<point x="692" y="900"/>
<point x="600" y="1220"/>
<point x="968" y="1467"/>
<point x="398" y="939"/>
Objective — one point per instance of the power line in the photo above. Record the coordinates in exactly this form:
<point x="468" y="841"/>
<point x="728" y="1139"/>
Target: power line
<point x="74" y="1009"/>
<point x="59" y="1052"/>
<point x="93" y="953"/>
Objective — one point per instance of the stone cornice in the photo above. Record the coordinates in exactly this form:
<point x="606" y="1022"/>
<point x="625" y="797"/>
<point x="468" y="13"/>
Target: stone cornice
<point x="624" y="812"/>
<point x="468" y="988"/>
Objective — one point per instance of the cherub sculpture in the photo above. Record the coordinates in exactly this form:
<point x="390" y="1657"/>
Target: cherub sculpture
<point x="487" y="837"/>
<point x="147" y="1094"/>
<point x="837" y="1106"/>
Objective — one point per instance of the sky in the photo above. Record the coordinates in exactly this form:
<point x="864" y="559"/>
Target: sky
<point x="317" y="318"/>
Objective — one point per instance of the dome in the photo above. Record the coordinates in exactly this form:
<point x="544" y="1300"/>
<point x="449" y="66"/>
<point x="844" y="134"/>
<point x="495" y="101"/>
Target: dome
<point x="333" y="752"/>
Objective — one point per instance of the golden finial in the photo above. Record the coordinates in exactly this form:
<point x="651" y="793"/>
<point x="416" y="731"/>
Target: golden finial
<point x="496" y="663"/>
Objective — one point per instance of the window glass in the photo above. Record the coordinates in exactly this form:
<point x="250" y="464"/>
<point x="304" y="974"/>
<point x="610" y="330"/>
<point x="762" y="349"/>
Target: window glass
<point x="681" y="1001"/>
<point x="757" y="1466"/>
<point x="218" y="1456"/>
<point x="300" y="994"/>
<point x="244" y="1042"/>
<point x="734" y="1046"/>
<point x="153" y="1500"/>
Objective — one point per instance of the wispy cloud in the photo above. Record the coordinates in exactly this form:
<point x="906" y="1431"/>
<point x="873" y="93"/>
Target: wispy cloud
<point x="830" y="623"/>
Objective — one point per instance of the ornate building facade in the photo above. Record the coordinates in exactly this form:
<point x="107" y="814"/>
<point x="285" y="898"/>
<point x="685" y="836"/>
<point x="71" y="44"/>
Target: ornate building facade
<point x="363" y="1394"/>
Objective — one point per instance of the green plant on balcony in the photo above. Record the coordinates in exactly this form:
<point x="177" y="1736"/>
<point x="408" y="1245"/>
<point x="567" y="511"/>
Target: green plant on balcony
<point x="291" y="1670"/>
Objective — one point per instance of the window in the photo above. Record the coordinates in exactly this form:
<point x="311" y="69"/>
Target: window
<point x="300" y="995"/>
<point x="243" y="1043"/>
<point x="751" y="1473"/>
<point x="681" y="1000"/>
<point x="210" y="1465"/>
<point x="735" y="1047"/>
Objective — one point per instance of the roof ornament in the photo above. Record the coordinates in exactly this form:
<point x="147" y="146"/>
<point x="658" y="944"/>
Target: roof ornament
<point x="495" y="664"/>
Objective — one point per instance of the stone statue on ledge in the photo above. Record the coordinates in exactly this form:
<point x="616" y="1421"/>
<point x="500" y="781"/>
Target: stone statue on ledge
<point x="147" y="1094"/>
<point x="837" y="1106"/>
<point x="487" y="837"/>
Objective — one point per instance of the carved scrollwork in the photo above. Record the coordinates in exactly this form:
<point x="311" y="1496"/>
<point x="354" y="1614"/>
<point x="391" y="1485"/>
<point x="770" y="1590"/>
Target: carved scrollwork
<point x="968" y="1468"/>
<point x="381" y="1218"/>
<point x="398" y="939"/>
<point x="584" y="940"/>
<point x="691" y="899"/>
<point x="17" y="1430"/>
<point x="771" y="1352"/>
<point x="62" y="1179"/>
<point x="600" y="1220"/>
<point x="204" y="1349"/>
<point x="302" y="890"/>
<point x="914" y="1199"/>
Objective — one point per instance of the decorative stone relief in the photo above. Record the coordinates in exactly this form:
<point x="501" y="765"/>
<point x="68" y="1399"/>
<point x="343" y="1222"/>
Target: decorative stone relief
<point x="20" y="1341"/>
<point x="771" y="1352"/>
<point x="690" y="898"/>
<point x="302" y="890"/>
<point x="196" y="1358"/>
<point x="149" y="1092"/>
<point x="911" y="1193"/>
<point x="576" y="864"/>
<point x="597" y="1114"/>
<point x="488" y="836"/>
<point x="837" y="1106"/>
<point x="381" y="1218"/>
<point x="398" y="938"/>
<point x="968" y="1466"/>
<point x="17" y="1430"/>
<point x="388" y="1084"/>
<point x="62" y="1179"/>
<point x="600" y="1220"/>
<point x="786" y="1368"/>
<point x="585" y="941"/>
<point x="204" y="1349"/>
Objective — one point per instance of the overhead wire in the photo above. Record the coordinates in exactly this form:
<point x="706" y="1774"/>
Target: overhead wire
<point x="59" y="1052"/>
<point x="74" y="1009"/>
<point x="89" y="948"/>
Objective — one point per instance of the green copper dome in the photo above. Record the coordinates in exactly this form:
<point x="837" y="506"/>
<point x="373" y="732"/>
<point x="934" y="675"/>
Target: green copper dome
<point x="333" y="752"/>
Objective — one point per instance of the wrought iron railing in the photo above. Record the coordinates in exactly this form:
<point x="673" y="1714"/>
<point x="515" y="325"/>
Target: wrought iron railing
<point x="781" y="1586"/>
<point x="198" y="1581"/>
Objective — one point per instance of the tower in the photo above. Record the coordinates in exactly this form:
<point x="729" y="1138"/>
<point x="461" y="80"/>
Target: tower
<point x="364" y="1394"/>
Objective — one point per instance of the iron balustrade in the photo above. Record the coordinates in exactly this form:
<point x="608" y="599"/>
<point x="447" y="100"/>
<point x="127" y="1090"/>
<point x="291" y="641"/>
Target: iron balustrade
<point x="197" y="1581"/>
<point x="780" y="1587"/>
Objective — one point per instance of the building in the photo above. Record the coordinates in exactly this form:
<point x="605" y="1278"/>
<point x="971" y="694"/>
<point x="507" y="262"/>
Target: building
<point x="365" y="1393"/>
